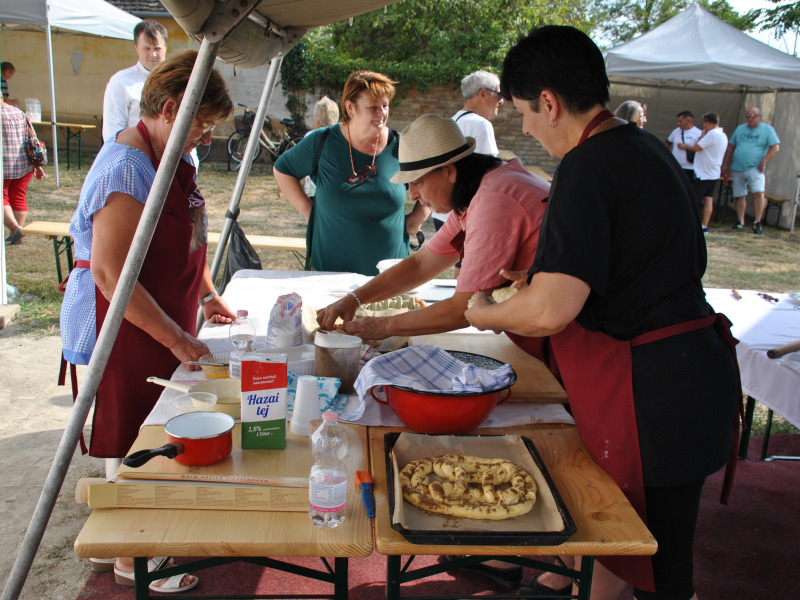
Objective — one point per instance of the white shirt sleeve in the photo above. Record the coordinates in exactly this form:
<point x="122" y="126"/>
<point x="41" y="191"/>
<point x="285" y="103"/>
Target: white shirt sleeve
<point x="115" y="108"/>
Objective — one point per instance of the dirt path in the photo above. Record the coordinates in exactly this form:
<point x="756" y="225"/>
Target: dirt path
<point x="35" y="411"/>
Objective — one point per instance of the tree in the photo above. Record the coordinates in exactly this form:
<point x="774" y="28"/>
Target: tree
<point x="423" y="42"/>
<point x="618" y="21"/>
<point x="784" y="19"/>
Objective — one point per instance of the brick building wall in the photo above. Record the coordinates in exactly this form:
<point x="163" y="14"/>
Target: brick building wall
<point x="446" y="101"/>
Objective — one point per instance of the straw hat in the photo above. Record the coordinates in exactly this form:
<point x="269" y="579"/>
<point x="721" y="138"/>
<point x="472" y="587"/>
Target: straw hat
<point x="428" y="143"/>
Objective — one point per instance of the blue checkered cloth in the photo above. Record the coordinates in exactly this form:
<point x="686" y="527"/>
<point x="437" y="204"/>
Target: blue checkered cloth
<point x="430" y="369"/>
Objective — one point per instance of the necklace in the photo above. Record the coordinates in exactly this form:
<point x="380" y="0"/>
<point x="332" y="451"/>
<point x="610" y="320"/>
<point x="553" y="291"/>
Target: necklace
<point x="366" y="171"/>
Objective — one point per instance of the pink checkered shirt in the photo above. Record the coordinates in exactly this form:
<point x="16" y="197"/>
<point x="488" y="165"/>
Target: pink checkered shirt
<point x="16" y="162"/>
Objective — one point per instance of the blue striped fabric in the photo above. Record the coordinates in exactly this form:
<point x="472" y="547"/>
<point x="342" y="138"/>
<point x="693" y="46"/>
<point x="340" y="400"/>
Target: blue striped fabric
<point x="431" y="369"/>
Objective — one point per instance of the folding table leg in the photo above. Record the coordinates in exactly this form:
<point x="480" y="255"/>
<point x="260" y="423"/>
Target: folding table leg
<point x="750" y="408"/>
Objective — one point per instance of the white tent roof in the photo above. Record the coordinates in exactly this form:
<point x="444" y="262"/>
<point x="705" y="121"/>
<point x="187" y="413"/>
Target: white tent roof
<point x="697" y="46"/>
<point x="93" y="17"/>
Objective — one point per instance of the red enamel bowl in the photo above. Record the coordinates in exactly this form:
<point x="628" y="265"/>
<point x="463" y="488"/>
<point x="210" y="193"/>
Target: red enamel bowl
<point x="448" y="413"/>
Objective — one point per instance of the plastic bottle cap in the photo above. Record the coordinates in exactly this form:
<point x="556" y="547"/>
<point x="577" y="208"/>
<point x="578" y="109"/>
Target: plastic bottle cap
<point x="330" y="415"/>
<point x="241" y="313"/>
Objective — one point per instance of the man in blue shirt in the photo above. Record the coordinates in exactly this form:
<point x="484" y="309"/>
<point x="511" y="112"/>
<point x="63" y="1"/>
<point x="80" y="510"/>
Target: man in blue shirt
<point x="752" y="145"/>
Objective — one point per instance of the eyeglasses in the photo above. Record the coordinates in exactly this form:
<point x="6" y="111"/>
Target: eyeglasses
<point x="364" y="173"/>
<point x="493" y="91"/>
<point x="206" y="125"/>
<point x="752" y="116"/>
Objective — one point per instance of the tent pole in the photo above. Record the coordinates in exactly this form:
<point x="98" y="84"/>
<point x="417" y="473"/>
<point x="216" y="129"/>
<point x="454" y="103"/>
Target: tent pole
<point x="794" y="204"/>
<point x="116" y="313"/>
<point x="53" y="118"/>
<point x="244" y="170"/>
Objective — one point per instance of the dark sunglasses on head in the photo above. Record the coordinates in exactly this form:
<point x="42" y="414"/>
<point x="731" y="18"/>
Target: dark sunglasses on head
<point x="364" y="173"/>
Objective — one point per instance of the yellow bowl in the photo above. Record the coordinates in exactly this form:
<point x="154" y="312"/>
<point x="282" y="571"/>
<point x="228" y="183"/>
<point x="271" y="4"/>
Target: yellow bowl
<point x="215" y="372"/>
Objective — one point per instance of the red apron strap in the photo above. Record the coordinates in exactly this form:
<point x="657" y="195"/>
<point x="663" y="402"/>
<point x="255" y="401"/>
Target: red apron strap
<point x="73" y="376"/>
<point x="723" y="327"/>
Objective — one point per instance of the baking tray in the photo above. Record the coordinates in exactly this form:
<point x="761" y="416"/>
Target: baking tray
<point x="481" y="538"/>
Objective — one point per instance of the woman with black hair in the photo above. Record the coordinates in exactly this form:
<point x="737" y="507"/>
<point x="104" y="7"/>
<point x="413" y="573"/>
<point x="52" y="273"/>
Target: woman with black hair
<point x="497" y="212"/>
<point x="649" y="369"/>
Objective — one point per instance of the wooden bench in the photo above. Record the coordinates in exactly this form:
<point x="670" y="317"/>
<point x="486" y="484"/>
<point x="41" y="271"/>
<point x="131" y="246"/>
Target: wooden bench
<point x="774" y="201"/>
<point x="62" y="242"/>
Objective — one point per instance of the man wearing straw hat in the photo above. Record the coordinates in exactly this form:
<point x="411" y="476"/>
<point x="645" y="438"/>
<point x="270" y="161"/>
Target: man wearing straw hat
<point x="496" y="214"/>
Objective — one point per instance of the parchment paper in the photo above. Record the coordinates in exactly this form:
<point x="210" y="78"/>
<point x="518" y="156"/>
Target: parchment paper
<point x="543" y="517"/>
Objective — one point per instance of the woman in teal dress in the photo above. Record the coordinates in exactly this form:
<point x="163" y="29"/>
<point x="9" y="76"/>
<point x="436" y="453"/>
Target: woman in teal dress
<point x="358" y="215"/>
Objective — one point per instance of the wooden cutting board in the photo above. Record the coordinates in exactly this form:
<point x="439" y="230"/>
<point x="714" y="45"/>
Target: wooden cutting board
<point x="535" y="382"/>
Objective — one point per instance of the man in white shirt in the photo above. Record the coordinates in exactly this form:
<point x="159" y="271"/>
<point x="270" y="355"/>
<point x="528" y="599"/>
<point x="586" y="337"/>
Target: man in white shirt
<point x="710" y="151"/>
<point x="482" y="100"/>
<point x="685" y="133"/>
<point x="124" y="89"/>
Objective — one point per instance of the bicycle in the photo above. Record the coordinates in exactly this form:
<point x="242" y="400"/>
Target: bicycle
<point x="275" y="143"/>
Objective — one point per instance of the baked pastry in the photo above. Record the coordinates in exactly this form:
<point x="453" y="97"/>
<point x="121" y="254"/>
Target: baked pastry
<point x="499" y="295"/>
<point x="468" y="486"/>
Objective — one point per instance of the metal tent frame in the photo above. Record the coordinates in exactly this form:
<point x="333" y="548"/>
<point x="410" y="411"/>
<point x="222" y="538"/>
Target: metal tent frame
<point x="217" y="27"/>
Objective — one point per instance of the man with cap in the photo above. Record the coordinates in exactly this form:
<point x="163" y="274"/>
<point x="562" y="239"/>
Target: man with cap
<point x="494" y="225"/>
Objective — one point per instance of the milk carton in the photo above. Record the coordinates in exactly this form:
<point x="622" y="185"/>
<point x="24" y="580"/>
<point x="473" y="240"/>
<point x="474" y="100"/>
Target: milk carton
<point x="264" y="382"/>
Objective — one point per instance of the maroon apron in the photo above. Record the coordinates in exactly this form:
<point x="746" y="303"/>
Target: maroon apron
<point x="596" y="370"/>
<point x="171" y="274"/>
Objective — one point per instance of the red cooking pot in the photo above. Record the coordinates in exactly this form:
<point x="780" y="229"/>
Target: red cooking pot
<point x="196" y="439"/>
<point x="446" y="412"/>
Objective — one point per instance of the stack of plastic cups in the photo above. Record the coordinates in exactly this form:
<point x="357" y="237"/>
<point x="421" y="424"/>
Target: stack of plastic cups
<point x="306" y="405"/>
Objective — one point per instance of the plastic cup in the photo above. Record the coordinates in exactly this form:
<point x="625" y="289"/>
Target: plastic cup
<point x="195" y="401"/>
<point x="306" y="405"/>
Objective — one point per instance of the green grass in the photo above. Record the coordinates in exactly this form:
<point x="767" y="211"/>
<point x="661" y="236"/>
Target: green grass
<point x="770" y="262"/>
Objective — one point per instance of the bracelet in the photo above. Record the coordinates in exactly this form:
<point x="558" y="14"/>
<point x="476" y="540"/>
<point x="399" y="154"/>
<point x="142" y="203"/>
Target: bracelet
<point x="353" y="294"/>
<point x="208" y="298"/>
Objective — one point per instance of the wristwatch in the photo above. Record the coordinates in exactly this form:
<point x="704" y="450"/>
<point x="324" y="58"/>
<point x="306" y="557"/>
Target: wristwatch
<point x="209" y="297"/>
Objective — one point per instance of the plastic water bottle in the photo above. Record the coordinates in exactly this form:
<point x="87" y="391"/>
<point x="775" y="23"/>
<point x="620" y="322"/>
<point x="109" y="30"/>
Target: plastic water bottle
<point x="327" y="483"/>
<point x="330" y="438"/>
<point x="242" y="334"/>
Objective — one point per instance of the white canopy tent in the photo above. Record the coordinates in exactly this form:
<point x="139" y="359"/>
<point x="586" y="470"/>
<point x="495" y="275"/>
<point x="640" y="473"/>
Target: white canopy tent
<point x="88" y="17"/>
<point x="239" y="32"/>
<point x="697" y="62"/>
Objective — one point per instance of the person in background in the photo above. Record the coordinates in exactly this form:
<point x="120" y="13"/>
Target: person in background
<point x="326" y="113"/>
<point x="752" y="145"/>
<point x="158" y="332"/>
<point x="616" y="283"/>
<point x="7" y="71"/>
<point x="710" y="150"/>
<point x="685" y="133"/>
<point x="124" y="89"/>
<point x="497" y="210"/>
<point x="17" y="171"/>
<point x="482" y="101"/>
<point x="632" y="111"/>
<point x="358" y="216"/>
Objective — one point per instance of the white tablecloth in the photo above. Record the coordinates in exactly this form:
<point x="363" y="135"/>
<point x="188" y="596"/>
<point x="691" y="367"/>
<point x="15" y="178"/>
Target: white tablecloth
<point x="760" y="325"/>
<point x="257" y="291"/>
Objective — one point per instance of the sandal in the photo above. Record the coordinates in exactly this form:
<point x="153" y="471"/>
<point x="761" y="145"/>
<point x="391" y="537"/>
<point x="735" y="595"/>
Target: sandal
<point x="154" y="564"/>
<point x="173" y="584"/>
<point x="102" y="565"/>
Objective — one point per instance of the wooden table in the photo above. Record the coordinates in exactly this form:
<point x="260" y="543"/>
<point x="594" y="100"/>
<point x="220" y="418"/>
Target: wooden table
<point x="69" y="134"/>
<point x="606" y="522"/>
<point x="62" y="241"/>
<point x="228" y="536"/>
